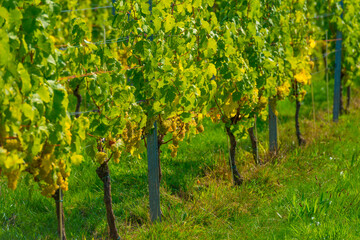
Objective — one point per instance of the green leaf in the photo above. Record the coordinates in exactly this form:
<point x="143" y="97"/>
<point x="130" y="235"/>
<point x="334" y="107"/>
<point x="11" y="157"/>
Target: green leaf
<point x="141" y="48"/>
<point x="186" y="117"/>
<point x="197" y="3"/>
<point x="157" y="24"/>
<point x="25" y="79"/>
<point x="36" y="145"/>
<point x="44" y="93"/>
<point x="51" y="60"/>
<point x="90" y="148"/>
<point x="101" y="130"/>
<point x="212" y="44"/>
<point x="4" y="13"/>
<point x="157" y="107"/>
<point x="205" y="25"/>
<point x="15" y="18"/>
<point x="236" y="96"/>
<point x="211" y="70"/>
<point x="4" y="49"/>
<point x="81" y="125"/>
<point x="169" y="23"/>
<point x="28" y="111"/>
<point x="60" y="101"/>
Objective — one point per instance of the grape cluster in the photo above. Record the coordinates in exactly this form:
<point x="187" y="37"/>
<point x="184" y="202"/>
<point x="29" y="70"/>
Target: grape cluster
<point x="11" y="158"/>
<point x="12" y="177"/>
<point x="178" y="128"/>
<point x="283" y="90"/>
<point x="149" y="124"/>
<point x="100" y="157"/>
<point x="214" y="115"/>
<point x="116" y="156"/>
<point x="124" y="54"/>
<point x="115" y="147"/>
<point x="128" y="141"/>
<point x="131" y="137"/>
<point x="50" y="173"/>
<point x="12" y="144"/>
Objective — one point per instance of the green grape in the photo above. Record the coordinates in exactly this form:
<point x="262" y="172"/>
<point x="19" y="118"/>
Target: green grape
<point x="116" y="156"/>
<point x="100" y="157"/>
<point x="12" y="144"/>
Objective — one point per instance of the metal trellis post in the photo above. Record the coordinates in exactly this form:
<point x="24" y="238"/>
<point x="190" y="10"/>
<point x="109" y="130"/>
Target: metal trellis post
<point x="153" y="168"/>
<point x="273" y="138"/>
<point x="153" y="175"/>
<point x="336" y="107"/>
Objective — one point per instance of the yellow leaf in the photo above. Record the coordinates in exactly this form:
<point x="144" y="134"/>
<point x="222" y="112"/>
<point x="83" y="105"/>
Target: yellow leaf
<point x="303" y="77"/>
<point x="67" y="132"/>
<point x="13" y="160"/>
<point x="212" y="44"/>
<point x="180" y="7"/>
<point x="205" y="25"/>
<point x="76" y="159"/>
<point x="188" y="6"/>
<point x="214" y="19"/>
<point x="169" y="23"/>
<point x="312" y="43"/>
<point x="157" y="24"/>
<point x="211" y="70"/>
<point x="181" y="66"/>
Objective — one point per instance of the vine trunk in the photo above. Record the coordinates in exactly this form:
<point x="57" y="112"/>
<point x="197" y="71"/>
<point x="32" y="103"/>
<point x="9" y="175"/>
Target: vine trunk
<point x="300" y="138"/>
<point x="103" y="173"/>
<point x="238" y="180"/>
<point x="254" y="145"/>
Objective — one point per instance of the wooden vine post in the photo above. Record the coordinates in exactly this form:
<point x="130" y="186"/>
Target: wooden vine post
<point x="337" y="84"/>
<point x="58" y="197"/>
<point x="60" y="215"/>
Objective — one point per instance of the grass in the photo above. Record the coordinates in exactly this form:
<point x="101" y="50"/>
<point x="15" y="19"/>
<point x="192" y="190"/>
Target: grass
<point x="311" y="192"/>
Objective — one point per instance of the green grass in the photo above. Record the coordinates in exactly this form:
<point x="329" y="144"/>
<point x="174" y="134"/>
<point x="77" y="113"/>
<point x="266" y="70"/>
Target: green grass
<point x="310" y="192"/>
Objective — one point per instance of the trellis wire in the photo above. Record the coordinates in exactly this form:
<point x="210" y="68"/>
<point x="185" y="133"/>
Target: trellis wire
<point x="116" y="40"/>
<point x="85" y="9"/>
<point x="323" y="56"/>
<point x="325" y="15"/>
<point x="76" y="113"/>
<point x="320" y="71"/>
<point x="123" y="39"/>
<point x="96" y="110"/>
